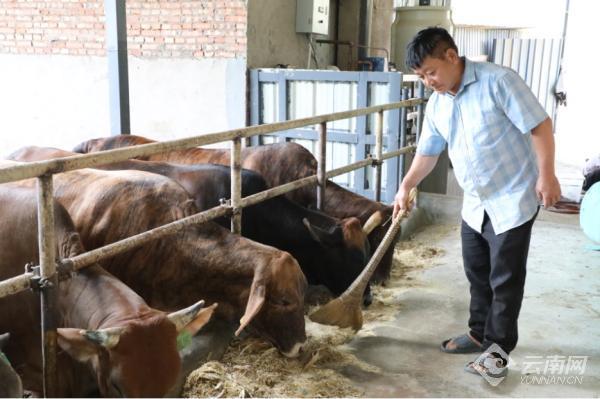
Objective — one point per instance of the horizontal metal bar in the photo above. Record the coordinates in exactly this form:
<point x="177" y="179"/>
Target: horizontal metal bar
<point x="126" y="244"/>
<point x="349" y="168"/>
<point x="15" y="284"/>
<point x="397" y="152"/>
<point x="35" y="169"/>
<point x="311" y="134"/>
<point x="279" y="190"/>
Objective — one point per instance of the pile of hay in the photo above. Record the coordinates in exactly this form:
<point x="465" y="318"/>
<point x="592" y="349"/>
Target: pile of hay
<point x="254" y="368"/>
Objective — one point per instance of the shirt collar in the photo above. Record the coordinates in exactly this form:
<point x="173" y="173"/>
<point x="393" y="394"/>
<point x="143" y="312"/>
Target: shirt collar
<point x="469" y="76"/>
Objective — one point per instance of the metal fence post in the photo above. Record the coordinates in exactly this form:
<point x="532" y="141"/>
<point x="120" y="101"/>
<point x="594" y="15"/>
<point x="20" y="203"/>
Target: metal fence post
<point x="403" y="115"/>
<point x="420" y="108"/>
<point x="378" y="153"/>
<point x="321" y="166"/>
<point x="48" y="283"/>
<point x="236" y="185"/>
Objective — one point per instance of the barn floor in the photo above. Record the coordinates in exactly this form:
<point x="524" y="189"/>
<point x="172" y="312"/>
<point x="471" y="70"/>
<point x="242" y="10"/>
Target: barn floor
<point x="560" y="318"/>
<point x="396" y="354"/>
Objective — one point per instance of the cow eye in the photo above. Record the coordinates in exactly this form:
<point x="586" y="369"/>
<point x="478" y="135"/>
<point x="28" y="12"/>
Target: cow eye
<point x="281" y="301"/>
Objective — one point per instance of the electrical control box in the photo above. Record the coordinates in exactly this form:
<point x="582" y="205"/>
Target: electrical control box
<point x="312" y="16"/>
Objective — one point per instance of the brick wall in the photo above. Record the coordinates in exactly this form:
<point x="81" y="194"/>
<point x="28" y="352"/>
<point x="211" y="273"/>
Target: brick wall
<point x="155" y="28"/>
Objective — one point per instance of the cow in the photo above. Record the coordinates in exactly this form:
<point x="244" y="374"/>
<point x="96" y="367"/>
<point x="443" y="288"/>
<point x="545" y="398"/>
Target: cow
<point x="106" y="329"/>
<point x="278" y="164"/>
<point x="11" y="385"/>
<point x="330" y="252"/>
<point x="257" y="284"/>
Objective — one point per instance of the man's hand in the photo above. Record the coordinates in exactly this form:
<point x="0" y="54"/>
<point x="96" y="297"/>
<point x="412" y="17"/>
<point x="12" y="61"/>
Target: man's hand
<point x="401" y="201"/>
<point x="547" y="189"/>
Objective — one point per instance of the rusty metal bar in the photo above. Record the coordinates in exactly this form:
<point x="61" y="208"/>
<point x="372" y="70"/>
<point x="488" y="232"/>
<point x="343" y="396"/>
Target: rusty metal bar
<point x="395" y="153"/>
<point x="48" y="283"/>
<point x="378" y="153"/>
<point x="16" y="284"/>
<point x="39" y="168"/>
<point x="118" y="247"/>
<point x="236" y="185"/>
<point x="321" y="165"/>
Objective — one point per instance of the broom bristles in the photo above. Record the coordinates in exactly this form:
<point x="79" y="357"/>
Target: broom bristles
<point x="341" y="312"/>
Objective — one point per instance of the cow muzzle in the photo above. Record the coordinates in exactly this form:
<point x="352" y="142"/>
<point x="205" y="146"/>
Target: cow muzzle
<point x="295" y="351"/>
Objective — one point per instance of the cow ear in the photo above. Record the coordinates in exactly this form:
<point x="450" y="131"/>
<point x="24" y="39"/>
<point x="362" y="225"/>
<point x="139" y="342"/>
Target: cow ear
<point x="323" y="237"/>
<point x="72" y="341"/>
<point x="256" y="300"/>
<point x="202" y="318"/>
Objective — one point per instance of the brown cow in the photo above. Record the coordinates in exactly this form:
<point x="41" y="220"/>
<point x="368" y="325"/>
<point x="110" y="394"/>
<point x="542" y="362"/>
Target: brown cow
<point x="331" y="252"/>
<point x="262" y="285"/>
<point x="278" y="164"/>
<point x="105" y="348"/>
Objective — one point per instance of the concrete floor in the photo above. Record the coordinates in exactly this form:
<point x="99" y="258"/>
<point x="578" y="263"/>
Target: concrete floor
<point x="560" y="317"/>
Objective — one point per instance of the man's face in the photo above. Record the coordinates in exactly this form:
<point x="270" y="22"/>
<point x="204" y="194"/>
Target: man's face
<point x="442" y="74"/>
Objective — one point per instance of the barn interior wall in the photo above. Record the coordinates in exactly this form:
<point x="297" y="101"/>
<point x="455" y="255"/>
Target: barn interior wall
<point x="187" y="70"/>
<point x="272" y="37"/>
<point x="577" y="133"/>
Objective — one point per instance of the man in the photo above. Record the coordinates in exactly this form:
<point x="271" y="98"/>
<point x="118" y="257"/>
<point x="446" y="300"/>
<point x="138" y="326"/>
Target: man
<point x="501" y="145"/>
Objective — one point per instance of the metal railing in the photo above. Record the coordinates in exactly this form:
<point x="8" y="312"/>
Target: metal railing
<point x="46" y="277"/>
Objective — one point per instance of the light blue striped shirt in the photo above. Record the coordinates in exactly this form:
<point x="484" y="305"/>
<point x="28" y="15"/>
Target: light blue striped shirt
<point x="487" y="126"/>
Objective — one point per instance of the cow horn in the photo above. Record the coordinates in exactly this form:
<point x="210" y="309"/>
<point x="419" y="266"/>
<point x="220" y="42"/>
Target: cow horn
<point x="183" y="317"/>
<point x="107" y="337"/>
<point x="374" y="220"/>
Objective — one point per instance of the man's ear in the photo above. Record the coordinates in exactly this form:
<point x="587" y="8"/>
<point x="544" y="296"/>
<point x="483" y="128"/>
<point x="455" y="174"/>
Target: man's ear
<point x="452" y="55"/>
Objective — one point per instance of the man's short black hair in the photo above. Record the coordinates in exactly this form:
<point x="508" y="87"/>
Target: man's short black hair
<point x="430" y="42"/>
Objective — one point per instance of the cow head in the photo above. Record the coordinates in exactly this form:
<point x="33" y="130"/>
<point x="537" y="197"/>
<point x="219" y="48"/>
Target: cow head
<point x="346" y="255"/>
<point x="275" y="307"/>
<point x="140" y="357"/>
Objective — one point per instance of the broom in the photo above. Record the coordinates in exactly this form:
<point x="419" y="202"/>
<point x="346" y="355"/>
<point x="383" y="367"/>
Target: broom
<point x="345" y="310"/>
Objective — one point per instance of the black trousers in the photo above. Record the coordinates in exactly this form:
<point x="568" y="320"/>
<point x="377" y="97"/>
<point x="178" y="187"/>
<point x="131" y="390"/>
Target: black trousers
<point x="495" y="266"/>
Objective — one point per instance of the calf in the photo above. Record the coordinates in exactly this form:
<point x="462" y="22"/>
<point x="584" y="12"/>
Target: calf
<point x="278" y="164"/>
<point x="110" y="328"/>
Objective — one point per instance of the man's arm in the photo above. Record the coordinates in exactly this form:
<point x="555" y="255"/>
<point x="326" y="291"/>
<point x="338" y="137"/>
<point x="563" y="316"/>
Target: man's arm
<point x="421" y="166"/>
<point x="547" y="187"/>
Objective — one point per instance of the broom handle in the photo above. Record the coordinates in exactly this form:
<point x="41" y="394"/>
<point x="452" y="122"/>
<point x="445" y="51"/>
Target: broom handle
<point x="362" y="280"/>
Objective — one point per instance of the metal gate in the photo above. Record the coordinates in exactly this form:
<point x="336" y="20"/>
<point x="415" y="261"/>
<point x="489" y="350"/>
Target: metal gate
<point x="281" y="94"/>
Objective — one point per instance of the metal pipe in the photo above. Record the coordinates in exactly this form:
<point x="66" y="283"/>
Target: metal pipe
<point x="321" y="165"/>
<point x="395" y="153"/>
<point x="403" y="114"/>
<point x="378" y="153"/>
<point x="127" y="244"/>
<point x="58" y="165"/>
<point x="236" y="185"/>
<point x="420" y="109"/>
<point x="16" y="284"/>
<point x="48" y="283"/>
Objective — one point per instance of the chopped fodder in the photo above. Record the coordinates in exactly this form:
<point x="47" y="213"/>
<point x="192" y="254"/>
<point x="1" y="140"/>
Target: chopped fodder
<point x="254" y="368"/>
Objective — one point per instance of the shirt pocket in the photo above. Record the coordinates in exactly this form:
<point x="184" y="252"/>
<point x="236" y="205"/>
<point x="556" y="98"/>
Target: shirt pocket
<point x="485" y="127"/>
